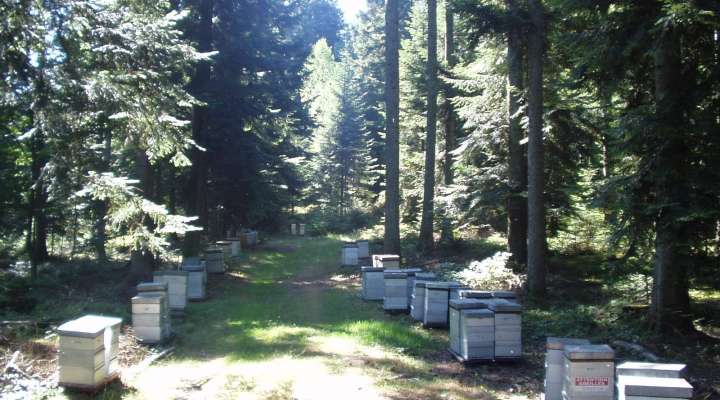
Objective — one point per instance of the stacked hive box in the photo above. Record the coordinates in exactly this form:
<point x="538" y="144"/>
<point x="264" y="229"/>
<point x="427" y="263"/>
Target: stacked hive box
<point x="349" y="256"/>
<point x="214" y="260"/>
<point x="177" y="282"/>
<point x="302" y="230"/>
<point x="508" y="329"/>
<point x="437" y="297"/>
<point x="471" y="330"/>
<point x="161" y="289"/>
<point x="363" y="249"/>
<point x="475" y="294"/>
<point x="293" y="229"/>
<point x="589" y="373"/>
<point x="387" y="261"/>
<point x="250" y="238"/>
<point x="373" y="283"/>
<point x="503" y="294"/>
<point x="88" y="351"/>
<point x="235" y="246"/>
<point x="395" y="296"/>
<point x="652" y="381"/>
<point x="226" y="249"/>
<point x="197" y="278"/>
<point x="410" y="282"/>
<point x="417" y="300"/>
<point x="555" y="365"/>
<point x="150" y="320"/>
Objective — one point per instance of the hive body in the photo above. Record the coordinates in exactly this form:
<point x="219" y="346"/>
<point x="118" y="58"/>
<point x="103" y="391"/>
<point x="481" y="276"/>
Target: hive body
<point x="652" y="381"/>
<point x="508" y="329"/>
<point x="437" y="297"/>
<point x="555" y="365"/>
<point x="373" y="283"/>
<point x="151" y="322"/>
<point x="417" y="294"/>
<point x="387" y="261"/>
<point x="589" y="372"/>
<point x="177" y="282"/>
<point x="197" y="279"/>
<point x="471" y="330"/>
<point x="349" y="256"/>
<point x="214" y="260"/>
<point x="363" y="249"/>
<point x="88" y="349"/>
<point x="395" y="295"/>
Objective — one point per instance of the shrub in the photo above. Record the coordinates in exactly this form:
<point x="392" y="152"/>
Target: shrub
<point x="491" y="273"/>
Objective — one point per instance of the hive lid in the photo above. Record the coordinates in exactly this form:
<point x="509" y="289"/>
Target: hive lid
<point x="478" y="313"/>
<point x="193" y="267"/>
<point x="442" y="285"/>
<point x="223" y="243"/>
<point x="395" y="274"/>
<point x="655" y="387"/>
<point x="152" y="287"/>
<point x="350" y="245"/>
<point x="475" y="294"/>
<point x="89" y="326"/>
<point x="172" y="272"/>
<point x="504" y="294"/>
<point x="372" y="269"/>
<point x="559" y="343"/>
<point x="213" y="249"/>
<point x="148" y="298"/>
<point x="589" y="352"/>
<point x="386" y="257"/>
<point x="651" y="369"/>
<point x="467" y="304"/>
<point x="501" y="305"/>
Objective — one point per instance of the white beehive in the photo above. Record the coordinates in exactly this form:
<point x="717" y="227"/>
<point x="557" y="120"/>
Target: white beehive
<point x="555" y="365"/>
<point x="589" y="373"/>
<point x="504" y="294"/>
<point x="177" y="282"/>
<point x="349" y="256"/>
<point x="653" y="388"/>
<point x="197" y="278"/>
<point x="395" y="296"/>
<point x="508" y="329"/>
<point x="226" y="249"/>
<point x="302" y="230"/>
<point x="235" y="246"/>
<point x="293" y="229"/>
<point x="214" y="260"/>
<point x="471" y="333"/>
<point x="387" y="261"/>
<point x="410" y="282"/>
<point x="474" y="294"/>
<point x="150" y="320"/>
<point x="373" y="283"/>
<point x="158" y="288"/>
<point x="657" y="370"/>
<point x="437" y="297"/>
<point x="88" y="349"/>
<point x="417" y="294"/>
<point x="363" y="249"/>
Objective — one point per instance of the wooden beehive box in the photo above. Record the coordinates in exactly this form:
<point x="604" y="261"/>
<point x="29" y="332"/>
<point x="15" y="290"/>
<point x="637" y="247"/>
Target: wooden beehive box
<point x="158" y="288"/>
<point x="469" y="342"/>
<point x="373" y="283"/>
<point x="177" y="282"/>
<point x="395" y="296"/>
<point x="410" y="281"/>
<point x="477" y="334"/>
<point x="589" y="372"/>
<point x="150" y="318"/>
<point x="647" y="369"/>
<point x="302" y="230"/>
<point x="504" y="294"/>
<point x="653" y="388"/>
<point x="555" y="364"/>
<point x="197" y="278"/>
<point x="349" y="255"/>
<point x="363" y="249"/>
<point x="214" y="260"/>
<point x="508" y="329"/>
<point x="88" y="349"/>
<point x="293" y="229"/>
<point x="437" y="298"/>
<point x="235" y="246"/>
<point x="226" y="249"/>
<point x="417" y="295"/>
<point x="387" y="261"/>
<point x="474" y="294"/>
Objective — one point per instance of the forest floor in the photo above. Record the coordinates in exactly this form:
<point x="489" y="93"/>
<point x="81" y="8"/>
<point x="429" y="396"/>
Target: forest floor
<point x="287" y="323"/>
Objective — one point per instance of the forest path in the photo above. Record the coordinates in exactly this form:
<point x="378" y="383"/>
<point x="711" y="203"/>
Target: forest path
<point x="287" y="323"/>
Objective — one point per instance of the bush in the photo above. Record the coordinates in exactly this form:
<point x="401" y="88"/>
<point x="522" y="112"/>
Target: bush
<point x="322" y="222"/>
<point x="15" y="294"/>
<point x="492" y="273"/>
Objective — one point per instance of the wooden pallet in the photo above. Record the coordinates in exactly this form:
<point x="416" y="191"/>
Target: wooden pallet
<point x="91" y="389"/>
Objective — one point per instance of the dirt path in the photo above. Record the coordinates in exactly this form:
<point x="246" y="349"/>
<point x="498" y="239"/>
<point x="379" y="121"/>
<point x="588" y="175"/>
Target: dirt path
<point x="287" y="324"/>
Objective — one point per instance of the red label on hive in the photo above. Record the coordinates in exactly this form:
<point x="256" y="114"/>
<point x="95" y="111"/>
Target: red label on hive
<point x="592" y="381"/>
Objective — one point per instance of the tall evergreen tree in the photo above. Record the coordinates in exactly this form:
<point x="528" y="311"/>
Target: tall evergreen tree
<point x="392" y="130"/>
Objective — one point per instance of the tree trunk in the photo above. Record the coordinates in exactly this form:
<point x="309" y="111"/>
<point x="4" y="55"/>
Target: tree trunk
<point x="517" y="161"/>
<point x="142" y="261"/>
<point x="38" y="203"/>
<point x="446" y="235"/>
<point x="669" y="309"/>
<point x="392" y="127"/>
<point x="100" y="206"/>
<point x="536" y="183"/>
<point x="197" y="193"/>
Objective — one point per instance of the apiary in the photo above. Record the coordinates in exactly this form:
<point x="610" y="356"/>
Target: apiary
<point x="387" y="261"/>
<point x="226" y="249"/>
<point x="373" y="283"/>
<point x="395" y="296"/>
<point x="437" y="298"/>
<point x="647" y="369"/>
<point x="652" y="388"/>
<point x="349" y="256"/>
<point x="589" y="372"/>
<point x="197" y="278"/>
<point x="363" y="249"/>
<point x="410" y="282"/>
<point x="472" y="333"/>
<point x="417" y="296"/>
<point x="508" y="329"/>
<point x="302" y="230"/>
<point x="150" y="318"/>
<point x="177" y="282"/>
<point x="158" y="288"/>
<point x="214" y="260"/>
<point x="555" y="364"/>
<point x="88" y="349"/>
<point x="293" y="229"/>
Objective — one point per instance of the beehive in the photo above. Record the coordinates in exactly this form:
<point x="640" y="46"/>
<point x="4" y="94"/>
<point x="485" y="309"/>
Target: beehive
<point x="226" y="249"/>
<point x="197" y="278"/>
<point x="589" y="372"/>
<point x="293" y="229"/>
<point x="214" y="260"/>
<point x="471" y="330"/>
<point x="508" y="329"/>
<point x="349" y="256"/>
<point x="417" y="295"/>
<point x="647" y="369"/>
<point x="387" y="261"/>
<point x="88" y="349"/>
<point x="437" y="297"/>
<point x="410" y="282"/>
<point x="158" y="288"/>
<point x="373" y="283"/>
<point x="395" y="296"/>
<point x="177" y="288"/>
<point x="555" y="365"/>
<point x="149" y="317"/>
<point x="475" y="294"/>
<point x="504" y="294"/>
<point x="363" y="249"/>
<point x="653" y="388"/>
<point x="235" y="246"/>
<point x="302" y="230"/>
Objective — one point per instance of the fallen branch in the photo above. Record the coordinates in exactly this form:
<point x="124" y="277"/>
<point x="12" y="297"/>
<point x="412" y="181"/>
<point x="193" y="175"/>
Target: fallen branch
<point x="634" y="347"/>
<point x="12" y="366"/>
<point x="135" y="369"/>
